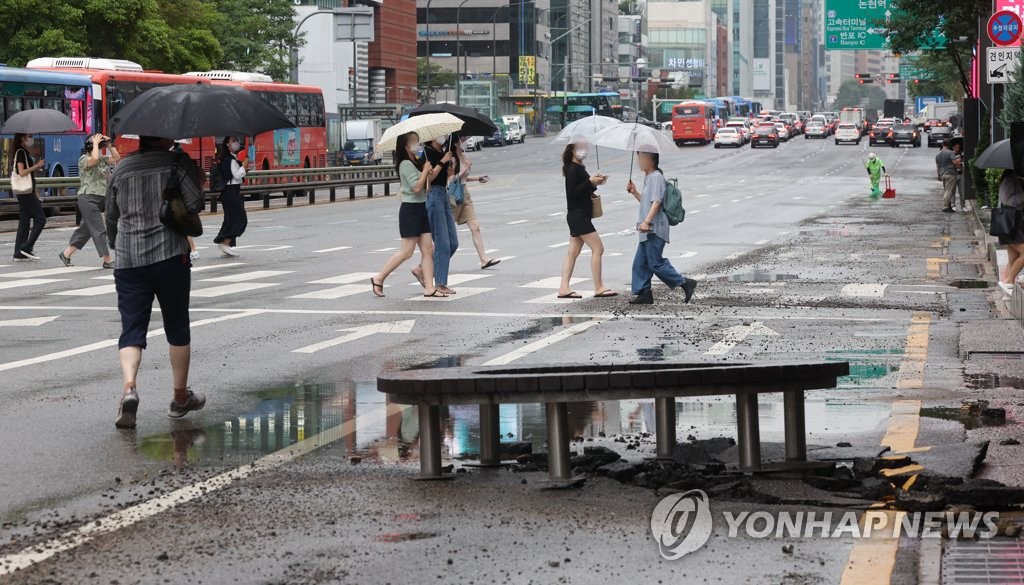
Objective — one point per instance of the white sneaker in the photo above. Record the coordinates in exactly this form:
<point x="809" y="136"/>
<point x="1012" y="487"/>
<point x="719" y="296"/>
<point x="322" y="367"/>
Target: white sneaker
<point x="30" y="255"/>
<point x="963" y="209"/>
<point x="227" y="251"/>
<point x="194" y="255"/>
<point x="1006" y="288"/>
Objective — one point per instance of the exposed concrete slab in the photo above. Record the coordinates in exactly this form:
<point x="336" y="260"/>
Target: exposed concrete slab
<point x="990" y="336"/>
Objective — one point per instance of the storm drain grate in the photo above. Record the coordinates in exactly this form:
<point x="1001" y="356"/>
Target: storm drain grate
<point x="995" y="561"/>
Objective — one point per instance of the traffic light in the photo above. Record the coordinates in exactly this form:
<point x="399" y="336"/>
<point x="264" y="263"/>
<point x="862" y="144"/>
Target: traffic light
<point x="863" y="77"/>
<point x="892" y="78"/>
<point x="917" y="80"/>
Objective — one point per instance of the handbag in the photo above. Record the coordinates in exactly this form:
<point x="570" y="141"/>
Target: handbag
<point x="20" y="185"/>
<point x="1004" y="222"/>
<point x="457" y="191"/>
<point x="174" y="213"/>
<point x="598" y="209"/>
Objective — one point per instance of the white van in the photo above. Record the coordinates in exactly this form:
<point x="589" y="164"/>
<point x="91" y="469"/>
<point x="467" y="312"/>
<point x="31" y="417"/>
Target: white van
<point x="516" y="128"/>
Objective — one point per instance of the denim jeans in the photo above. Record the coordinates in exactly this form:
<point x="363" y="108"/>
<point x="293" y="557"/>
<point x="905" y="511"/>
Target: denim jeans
<point x="649" y="262"/>
<point x="442" y="228"/>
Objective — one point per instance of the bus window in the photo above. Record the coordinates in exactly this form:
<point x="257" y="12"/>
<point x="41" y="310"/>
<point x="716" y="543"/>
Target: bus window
<point x="318" y="104"/>
<point x="687" y="112"/>
<point x="305" y="110"/>
<point x="13" y="106"/>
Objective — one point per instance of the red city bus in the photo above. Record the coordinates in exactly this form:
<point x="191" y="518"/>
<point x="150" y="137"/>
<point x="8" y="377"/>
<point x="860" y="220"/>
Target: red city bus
<point x="693" y="121"/>
<point x="304" y="145"/>
<point x="116" y="83"/>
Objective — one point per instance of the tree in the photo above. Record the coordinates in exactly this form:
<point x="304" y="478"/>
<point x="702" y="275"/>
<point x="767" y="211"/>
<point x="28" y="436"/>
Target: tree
<point x="257" y="36"/>
<point x="853" y="93"/>
<point x="945" y="78"/>
<point x="439" y="77"/>
<point x="1013" y="100"/>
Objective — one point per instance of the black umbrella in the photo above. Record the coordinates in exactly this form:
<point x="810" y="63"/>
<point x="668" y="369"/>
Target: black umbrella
<point x="39" y="121"/>
<point x="476" y="124"/>
<point x="997" y="156"/>
<point x="184" y="111"/>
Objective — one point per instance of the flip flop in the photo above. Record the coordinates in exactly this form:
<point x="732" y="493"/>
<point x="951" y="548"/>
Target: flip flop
<point x="419" y="277"/>
<point x="606" y="294"/>
<point x="572" y="295"/>
<point x="490" y="263"/>
<point x="436" y="294"/>
<point x="376" y="285"/>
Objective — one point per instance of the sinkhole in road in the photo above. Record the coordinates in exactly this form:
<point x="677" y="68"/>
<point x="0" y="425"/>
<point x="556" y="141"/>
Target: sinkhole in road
<point x="758" y="276"/>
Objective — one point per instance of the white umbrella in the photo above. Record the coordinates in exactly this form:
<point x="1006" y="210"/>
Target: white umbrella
<point x="635" y="138"/>
<point x="427" y="126"/>
<point x="585" y="128"/>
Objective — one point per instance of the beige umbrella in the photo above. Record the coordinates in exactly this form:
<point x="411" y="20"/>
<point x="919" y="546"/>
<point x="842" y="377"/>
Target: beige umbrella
<point x="427" y="126"/>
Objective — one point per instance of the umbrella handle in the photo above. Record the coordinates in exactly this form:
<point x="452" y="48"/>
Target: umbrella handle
<point x="597" y="153"/>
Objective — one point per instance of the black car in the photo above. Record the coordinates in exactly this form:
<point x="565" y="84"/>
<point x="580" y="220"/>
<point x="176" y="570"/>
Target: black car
<point x="904" y="134"/>
<point x="765" y="136"/>
<point x="939" y="134"/>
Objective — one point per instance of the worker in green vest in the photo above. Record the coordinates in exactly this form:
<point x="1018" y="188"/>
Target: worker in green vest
<point x="876" y="168"/>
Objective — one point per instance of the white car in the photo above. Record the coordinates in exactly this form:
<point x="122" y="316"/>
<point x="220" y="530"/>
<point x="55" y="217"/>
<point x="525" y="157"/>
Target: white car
<point x="815" y="130"/>
<point x="729" y="136"/>
<point x="742" y="128"/>
<point x="848" y="133"/>
<point x="666" y="125"/>
<point x="783" y="131"/>
<point x="473" y="143"/>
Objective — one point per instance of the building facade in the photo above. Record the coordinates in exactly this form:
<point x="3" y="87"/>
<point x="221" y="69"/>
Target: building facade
<point x="683" y="43"/>
<point x="763" y="63"/>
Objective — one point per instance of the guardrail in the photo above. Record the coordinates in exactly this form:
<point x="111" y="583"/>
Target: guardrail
<point x="267" y="184"/>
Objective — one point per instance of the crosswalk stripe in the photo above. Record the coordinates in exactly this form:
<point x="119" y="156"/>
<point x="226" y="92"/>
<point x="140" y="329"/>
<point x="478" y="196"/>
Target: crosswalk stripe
<point x="329" y="294"/>
<point x="244" y="276"/>
<point x="554" y="283"/>
<point x="48" y="272"/>
<point x="338" y="249"/>
<point x="551" y="299"/>
<point x="462" y="293"/>
<point x="29" y="282"/>
<point x="208" y="267"/>
<point x="92" y="291"/>
<point x="457" y="279"/>
<point x="350" y="278"/>
<point x="227" y="289"/>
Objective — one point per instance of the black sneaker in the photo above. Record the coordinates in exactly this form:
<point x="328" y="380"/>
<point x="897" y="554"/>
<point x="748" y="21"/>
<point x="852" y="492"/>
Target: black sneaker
<point x="192" y="402"/>
<point x="947" y="210"/>
<point x="646" y="297"/>
<point x="64" y="259"/>
<point x="689" y="285"/>
<point x="126" y="412"/>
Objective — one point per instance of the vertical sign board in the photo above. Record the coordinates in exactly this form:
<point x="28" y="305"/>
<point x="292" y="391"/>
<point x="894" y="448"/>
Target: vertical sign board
<point x="1014" y="6"/>
<point x="527" y="70"/>
<point x="1001" y="63"/>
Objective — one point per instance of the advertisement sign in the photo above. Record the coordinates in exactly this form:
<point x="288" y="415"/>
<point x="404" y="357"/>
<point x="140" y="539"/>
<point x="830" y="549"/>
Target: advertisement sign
<point x="527" y="70"/>
<point x="286" y="146"/>
<point x="762" y="76"/>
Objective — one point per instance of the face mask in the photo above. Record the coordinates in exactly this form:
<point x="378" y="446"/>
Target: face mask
<point x="29" y="142"/>
<point x="581" y="154"/>
<point x="234" y="146"/>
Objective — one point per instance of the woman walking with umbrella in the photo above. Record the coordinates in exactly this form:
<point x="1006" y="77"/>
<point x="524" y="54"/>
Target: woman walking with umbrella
<point x="443" y="165"/>
<point x="95" y="169"/>
<point x="31" y="218"/>
<point x="235" y="219"/>
<point x="580" y="187"/>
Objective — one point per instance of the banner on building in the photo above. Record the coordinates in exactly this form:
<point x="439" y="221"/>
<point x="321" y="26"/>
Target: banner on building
<point x="527" y="70"/>
<point x="762" y="77"/>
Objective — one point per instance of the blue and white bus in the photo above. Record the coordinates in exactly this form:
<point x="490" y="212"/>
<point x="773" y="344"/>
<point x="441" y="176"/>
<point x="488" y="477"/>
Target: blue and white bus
<point x="25" y="89"/>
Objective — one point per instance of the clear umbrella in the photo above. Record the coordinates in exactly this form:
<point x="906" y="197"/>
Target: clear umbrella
<point x="585" y="129"/>
<point x="635" y="138"/>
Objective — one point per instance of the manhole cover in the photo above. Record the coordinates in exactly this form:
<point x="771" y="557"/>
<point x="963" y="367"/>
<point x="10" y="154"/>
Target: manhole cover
<point x="994" y="561"/>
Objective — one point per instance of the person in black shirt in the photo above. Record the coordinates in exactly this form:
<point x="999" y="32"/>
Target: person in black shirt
<point x="580" y="187"/>
<point x="31" y="217"/>
<point x="443" y="165"/>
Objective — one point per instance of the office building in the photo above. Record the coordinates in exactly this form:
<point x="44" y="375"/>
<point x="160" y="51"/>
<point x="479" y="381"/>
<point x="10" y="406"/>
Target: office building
<point x="684" y="43"/>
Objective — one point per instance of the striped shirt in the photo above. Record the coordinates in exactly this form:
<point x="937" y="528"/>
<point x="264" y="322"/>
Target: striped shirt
<point x="134" y="196"/>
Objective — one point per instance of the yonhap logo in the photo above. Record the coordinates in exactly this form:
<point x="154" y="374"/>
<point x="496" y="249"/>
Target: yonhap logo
<point x="681" y="523"/>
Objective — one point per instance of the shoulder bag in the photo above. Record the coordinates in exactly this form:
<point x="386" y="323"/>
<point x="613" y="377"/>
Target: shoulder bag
<point x="20" y="185"/>
<point x="598" y="209"/>
<point x="174" y="213"/>
<point x="1004" y="222"/>
<point x="457" y="191"/>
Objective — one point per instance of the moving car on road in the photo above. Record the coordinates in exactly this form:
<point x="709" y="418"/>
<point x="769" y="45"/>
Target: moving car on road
<point x="880" y="132"/>
<point x="765" y="135"/>
<point x="816" y="129"/>
<point x="938" y="135"/>
<point x="904" y="134"/>
<point x="742" y="127"/>
<point x="783" y="131"/>
<point x="729" y="136"/>
<point x="848" y="133"/>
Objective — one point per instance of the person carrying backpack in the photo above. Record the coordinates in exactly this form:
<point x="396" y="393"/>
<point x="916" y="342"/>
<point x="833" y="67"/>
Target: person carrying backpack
<point x="654" y="227"/>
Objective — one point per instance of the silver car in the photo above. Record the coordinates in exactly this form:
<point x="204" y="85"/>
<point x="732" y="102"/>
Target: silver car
<point x="816" y="130"/>
<point x="728" y="136"/>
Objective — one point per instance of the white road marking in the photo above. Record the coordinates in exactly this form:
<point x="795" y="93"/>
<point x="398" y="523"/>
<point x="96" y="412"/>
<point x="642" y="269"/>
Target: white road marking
<point x="386" y="250"/>
<point x="92" y="291"/>
<point x="203" y="268"/>
<point x="556" y="214"/>
<point x="559" y="245"/>
<point x="553" y="283"/>
<point x="463" y="292"/>
<point x="693" y="212"/>
<point x="48" y="272"/>
<point x="457" y="279"/>
<point x="30" y="322"/>
<point x="29" y="282"/>
<point x="244" y="276"/>
<point x="736" y="335"/>
<point x="262" y="248"/>
<point x="761" y="242"/>
<point x="798" y="198"/>
<point x="684" y="255"/>
<point x="359" y="333"/>
<point x="326" y="250"/>
<point x="716" y="205"/>
<point x="551" y="299"/>
<point x="702" y="195"/>
<point x="874" y="291"/>
<point x="350" y="278"/>
<point x="518" y="221"/>
<point x="542" y="343"/>
<point x="228" y="289"/>
<point x="38" y="553"/>
<point x="330" y="294"/>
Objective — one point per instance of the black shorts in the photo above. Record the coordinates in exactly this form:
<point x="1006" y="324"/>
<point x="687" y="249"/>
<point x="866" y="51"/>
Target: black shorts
<point x="413" y="220"/>
<point x="170" y="282"/>
<point x="580" y="222"/>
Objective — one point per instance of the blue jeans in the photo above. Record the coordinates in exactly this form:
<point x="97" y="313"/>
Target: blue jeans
<point x="649" y="262"/>
<point x="442" y="228"/>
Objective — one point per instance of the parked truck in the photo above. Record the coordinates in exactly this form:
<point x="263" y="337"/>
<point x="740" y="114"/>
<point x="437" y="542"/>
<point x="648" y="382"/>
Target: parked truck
<point x="894" y="109"/>
<point x="361" y="138"/>
<point x="516" y="127"/>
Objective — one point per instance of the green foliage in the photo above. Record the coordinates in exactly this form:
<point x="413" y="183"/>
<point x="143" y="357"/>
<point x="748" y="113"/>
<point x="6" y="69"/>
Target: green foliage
<point x="630" y="7"/>
<point x="852" y="93"/>
<point x="257" y="36"/>
<point x="981" y="187"/>
<point x="992" y="179"/>
<point x="1013" y="100"/>
<point x="439" y="78"/>
<point x="945" y="77"/>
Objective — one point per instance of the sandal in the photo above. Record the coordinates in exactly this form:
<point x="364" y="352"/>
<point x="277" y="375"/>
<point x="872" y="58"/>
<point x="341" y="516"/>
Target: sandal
<point x="437" y="294"/>
<point x="376" y="285"/>
<point x="490" y="263"/>
<point x="571" y="295"/>
<point x="445" y="290"/>
<point x="418" y="273"/>
<point x="606" y="294"/>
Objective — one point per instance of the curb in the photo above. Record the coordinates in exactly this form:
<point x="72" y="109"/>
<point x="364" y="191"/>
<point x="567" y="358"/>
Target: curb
<point x="1016" y="302"/>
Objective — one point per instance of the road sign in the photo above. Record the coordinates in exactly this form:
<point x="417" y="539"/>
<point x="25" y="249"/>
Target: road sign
<point x="910" y="71"/>
<point x="860" y="24"/>
<point x="527" y="70"/>
<point x="1002" y="61"/>
<point x="922" y="101"/>
<point x="1015" y="6"/>
<point x="1004" y="28"/>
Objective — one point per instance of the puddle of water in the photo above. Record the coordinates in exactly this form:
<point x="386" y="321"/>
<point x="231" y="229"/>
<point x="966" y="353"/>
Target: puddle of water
<point x="845" y="231"/>
<point x="990" y="381"/>
<point x="971" y="284"/>
<point x="758" y="276"/>
<point x="970" y="420"/>
<point x="404" y="536"/>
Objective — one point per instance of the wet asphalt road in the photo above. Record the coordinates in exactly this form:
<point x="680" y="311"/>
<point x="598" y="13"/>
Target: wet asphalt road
<point x="783" y="238"/>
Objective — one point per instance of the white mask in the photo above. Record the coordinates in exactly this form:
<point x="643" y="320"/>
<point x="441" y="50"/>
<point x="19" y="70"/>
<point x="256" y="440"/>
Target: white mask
<point x="581" y="154"/>
<point x="234" y="146"/>
<point x="29" y="142"/>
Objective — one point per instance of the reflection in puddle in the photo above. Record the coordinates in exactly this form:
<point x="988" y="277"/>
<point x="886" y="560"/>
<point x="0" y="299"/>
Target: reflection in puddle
<point x="990" y="381"/>
<point x="389" y="433"/>
<point x="758" y="276"/>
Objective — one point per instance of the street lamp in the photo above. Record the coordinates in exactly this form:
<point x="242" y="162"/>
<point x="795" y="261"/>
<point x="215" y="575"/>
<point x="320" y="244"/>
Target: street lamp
<point x="641" y="64"/>
<point x="295" y="38"/>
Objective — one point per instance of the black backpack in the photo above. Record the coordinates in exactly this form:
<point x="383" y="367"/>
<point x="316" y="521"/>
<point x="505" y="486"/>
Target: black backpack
<point x="217" y="180"/>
